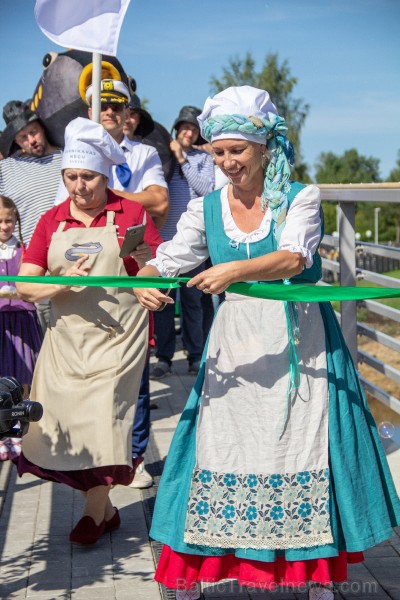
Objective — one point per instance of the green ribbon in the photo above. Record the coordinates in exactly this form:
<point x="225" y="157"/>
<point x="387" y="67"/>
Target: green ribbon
<point x="276" y="291"/>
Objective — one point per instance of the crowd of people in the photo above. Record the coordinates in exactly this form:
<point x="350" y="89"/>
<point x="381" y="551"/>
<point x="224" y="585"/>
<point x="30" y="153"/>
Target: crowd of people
<point x="269" y="476"/>
<point x="30" y="173"/>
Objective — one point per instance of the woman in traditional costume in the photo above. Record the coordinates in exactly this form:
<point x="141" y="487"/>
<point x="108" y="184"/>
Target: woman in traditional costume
<point x="275" y="475"/>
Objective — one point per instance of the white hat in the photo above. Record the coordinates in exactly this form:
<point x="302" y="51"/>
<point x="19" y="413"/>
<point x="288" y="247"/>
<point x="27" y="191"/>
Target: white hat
<point x="89" y="146"/>
<point x="111" y="90"/>
<point x="243" y="100"/>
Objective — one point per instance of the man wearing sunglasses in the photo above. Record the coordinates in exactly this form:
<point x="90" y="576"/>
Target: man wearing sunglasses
<point x="144" y="180"/>
<point x="140" y="179"/>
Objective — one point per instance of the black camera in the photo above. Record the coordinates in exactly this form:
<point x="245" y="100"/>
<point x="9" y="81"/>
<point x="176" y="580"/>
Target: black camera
<point x="16" y="413"/>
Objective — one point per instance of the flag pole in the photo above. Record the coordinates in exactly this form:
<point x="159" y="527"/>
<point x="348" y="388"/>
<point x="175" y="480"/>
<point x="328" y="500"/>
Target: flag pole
<point x="96" y="81"/>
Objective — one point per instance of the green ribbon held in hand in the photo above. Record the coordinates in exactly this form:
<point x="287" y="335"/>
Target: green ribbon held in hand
<point x="275" y="291"/>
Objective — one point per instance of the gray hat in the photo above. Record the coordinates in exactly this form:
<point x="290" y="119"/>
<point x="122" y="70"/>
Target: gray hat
<point x="17" y="115"/>
<point x="189" y="114"/>
<point x="146" y="124"/>
<point x="7" y="145"/>
<point x="4" y="144"/>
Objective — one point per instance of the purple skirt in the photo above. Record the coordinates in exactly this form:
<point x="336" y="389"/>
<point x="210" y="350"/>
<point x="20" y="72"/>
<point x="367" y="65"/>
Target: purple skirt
<point x="21" y="337"/>
<point x="84" y="479"/>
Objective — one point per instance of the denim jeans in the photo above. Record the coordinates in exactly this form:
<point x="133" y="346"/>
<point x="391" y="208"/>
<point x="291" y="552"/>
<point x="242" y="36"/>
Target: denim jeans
<point x="141" y="423"/>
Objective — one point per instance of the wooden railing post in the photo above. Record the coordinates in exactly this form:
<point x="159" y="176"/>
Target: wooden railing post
<point x="347" y="259"/>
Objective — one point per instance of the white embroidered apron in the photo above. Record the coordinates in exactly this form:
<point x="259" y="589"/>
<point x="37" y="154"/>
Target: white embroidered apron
<point x="258" y="483"/>
<point x="89" y="369"/>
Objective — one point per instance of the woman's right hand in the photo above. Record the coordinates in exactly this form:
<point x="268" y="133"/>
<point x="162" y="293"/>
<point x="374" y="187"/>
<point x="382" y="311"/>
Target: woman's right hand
<point x="152" y="298"/>
<point x="35" y="292"/>
<point x="77" y="270"/>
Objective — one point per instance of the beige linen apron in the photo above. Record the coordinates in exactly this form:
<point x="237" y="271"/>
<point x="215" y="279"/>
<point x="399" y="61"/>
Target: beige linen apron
<point x="89" y="369"/>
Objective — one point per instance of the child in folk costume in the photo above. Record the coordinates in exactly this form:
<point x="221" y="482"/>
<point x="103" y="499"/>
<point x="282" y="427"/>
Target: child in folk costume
<point x="276" y="474"/>
<point x="20" y="332"/>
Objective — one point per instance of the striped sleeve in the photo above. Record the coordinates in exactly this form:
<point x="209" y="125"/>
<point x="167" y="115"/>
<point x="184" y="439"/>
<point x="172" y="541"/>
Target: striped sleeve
<point x="199" y="172"/>
<point x="32" y="183"/>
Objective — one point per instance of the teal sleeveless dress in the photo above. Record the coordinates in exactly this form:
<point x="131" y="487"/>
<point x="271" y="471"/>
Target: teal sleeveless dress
<point x="328" y="491"/>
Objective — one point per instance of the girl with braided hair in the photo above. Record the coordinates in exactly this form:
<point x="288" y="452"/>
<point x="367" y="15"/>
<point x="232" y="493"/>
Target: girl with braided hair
<point x="275" y="475"/>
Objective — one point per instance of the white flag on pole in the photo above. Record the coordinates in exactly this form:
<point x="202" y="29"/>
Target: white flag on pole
<point x="90" y="25"/>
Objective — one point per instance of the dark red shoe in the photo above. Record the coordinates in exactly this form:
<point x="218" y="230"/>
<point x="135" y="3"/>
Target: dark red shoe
<point x="112" y="523"/>
<point x="86" y="531"/>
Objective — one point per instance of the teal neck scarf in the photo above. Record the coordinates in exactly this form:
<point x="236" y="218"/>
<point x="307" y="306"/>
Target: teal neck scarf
<point x="272" y="131"/>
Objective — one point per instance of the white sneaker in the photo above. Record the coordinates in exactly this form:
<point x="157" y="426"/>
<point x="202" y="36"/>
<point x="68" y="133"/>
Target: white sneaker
<point x="319" y="592"/>
<point x="142" y="479"/>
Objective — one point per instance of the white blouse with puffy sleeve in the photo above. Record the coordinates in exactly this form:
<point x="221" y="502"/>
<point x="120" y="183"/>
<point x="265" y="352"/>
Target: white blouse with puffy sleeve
<point x="188" y="248"/>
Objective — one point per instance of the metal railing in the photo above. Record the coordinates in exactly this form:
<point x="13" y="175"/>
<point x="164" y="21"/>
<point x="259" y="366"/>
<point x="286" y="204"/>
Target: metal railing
<point x="345" y="271"/>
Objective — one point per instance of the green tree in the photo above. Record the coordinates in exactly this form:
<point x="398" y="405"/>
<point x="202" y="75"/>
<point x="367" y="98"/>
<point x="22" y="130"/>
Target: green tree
<point x="351" y="167"/>
<point x="276" y="78"/>
<point x="394" y="174"/>
<point x="391" y="212"/>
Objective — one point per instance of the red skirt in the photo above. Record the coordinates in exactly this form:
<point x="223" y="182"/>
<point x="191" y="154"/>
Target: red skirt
<point x="181" y="571"/>
<point x="83" y="479"/>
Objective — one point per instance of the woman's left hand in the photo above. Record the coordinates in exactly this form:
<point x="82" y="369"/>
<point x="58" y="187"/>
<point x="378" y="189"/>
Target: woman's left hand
<point x="216" y="279"/>
<point x="142" y="254"/>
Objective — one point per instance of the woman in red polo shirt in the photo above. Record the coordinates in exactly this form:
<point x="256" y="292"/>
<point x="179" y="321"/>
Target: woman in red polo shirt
<point x="89" y="369"/>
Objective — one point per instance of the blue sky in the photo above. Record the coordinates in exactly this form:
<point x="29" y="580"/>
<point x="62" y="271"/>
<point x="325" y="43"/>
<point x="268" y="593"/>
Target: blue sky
<point x="345" y="54"/>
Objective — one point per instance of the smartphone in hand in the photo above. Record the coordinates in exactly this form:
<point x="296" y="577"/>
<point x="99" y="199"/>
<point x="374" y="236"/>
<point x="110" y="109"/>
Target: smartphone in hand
<point x="133" y="237"/>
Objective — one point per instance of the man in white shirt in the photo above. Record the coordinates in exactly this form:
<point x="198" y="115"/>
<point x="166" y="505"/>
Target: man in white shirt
<point x="145" y="183"/>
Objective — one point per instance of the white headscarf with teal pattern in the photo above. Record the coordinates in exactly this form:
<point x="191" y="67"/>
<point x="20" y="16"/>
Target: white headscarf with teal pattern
<point x="246" y="112"/>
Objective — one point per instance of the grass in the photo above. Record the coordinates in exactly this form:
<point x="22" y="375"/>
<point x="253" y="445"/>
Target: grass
<point x="395" y="273"/>
<point x="393" y="302"/>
